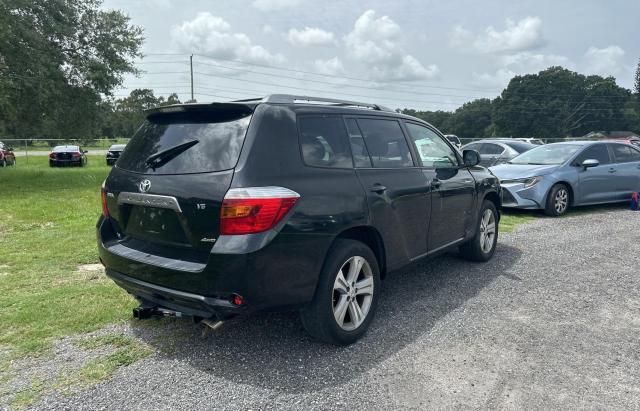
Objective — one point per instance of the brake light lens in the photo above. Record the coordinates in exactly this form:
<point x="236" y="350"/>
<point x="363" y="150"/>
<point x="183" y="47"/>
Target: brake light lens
<point x="51" y="155"/>
<point x="255" y="209"/>
<point x="103" y="197"/>
<point x="75" y="155"/>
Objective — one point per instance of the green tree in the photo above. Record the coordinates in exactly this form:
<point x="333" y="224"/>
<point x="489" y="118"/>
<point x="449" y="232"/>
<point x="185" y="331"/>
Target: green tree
<point x="56" y="60"/>
<point x="472" y="120"/>
<point x="123" y="116"/>
<point x="636" y="84"/>
<point x="557" y="102"/>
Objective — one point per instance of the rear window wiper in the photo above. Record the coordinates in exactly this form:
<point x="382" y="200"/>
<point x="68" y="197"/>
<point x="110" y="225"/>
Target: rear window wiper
<point x="162" y="157"/>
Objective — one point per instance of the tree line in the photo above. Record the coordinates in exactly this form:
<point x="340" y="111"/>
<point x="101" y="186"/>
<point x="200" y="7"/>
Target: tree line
<point x="60" y="62"/>
<point x="554" y="103"/>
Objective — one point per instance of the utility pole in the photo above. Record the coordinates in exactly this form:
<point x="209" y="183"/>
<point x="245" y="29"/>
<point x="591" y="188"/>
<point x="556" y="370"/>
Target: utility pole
<point x="191" y="64"/>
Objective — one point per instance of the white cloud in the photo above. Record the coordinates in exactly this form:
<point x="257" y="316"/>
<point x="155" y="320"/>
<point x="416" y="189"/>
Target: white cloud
<point x="267" y="29"/>
<point x="274" y="5"/>
<point x="525" y="34"/>
<point x="212" y="36"/>
<point x="309" y="36"/>
<point x="499" y="79"/>
<point x="376" y="42"/>
<point x="527" y="62"/>
<point x="606" y="61"/>
<point x="332" y="66"/>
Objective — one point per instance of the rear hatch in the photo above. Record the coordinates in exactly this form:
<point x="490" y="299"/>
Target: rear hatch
<point x="165" y="193"/>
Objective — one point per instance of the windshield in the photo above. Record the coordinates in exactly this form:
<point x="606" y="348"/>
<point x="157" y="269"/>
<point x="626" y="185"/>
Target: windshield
<point x="547" y="154"/>
<point x="519" y="146"/>
<point x="218" y="148"/>
<point x="117" y="147"/>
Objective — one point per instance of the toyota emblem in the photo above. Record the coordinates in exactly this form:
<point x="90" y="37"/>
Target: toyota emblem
<point x="144" y="186"/>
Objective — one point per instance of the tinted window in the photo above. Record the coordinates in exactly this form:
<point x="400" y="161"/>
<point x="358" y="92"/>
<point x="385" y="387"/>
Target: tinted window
<point x="386" y="143"/>
<point x="219" y="141"/>
<point x="431" y="148"/>
<point x="598" y="152"/>
<point x="624" y="154"/>
<point x="358" y="148"/>
<point x="473" y="146"/>
<point x="519" y="146"/>
<point x="62" y="149"/>
<point x="490" y="148"/>
<point x="324" y="142"/>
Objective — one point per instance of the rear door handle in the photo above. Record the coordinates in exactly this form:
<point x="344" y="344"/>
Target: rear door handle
<point x="378" y="188"/>
<point x="612" y="170"/>
<point x="436" y="183"/>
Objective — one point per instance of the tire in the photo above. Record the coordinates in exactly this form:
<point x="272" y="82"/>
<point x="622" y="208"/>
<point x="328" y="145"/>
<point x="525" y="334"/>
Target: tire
<point x="558" y="201"/>
<point x="3" y="163"/>
<point x="483" y="244"/>
<point x="13" y="163"/>
<point x="318" y="317"/>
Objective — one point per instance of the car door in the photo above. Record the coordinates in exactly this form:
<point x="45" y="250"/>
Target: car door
<point x="397" y="191"/>
<point x="627" y="161"/>
<point x="453" y="187"/>
<point x="595" y="184"/>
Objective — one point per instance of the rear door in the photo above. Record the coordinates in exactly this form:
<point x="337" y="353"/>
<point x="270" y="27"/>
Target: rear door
<point x="166" y="190"/>
<point x="596" y="184"/>
<point x="398" y="193"/>
<point x="453" y="188"/>
<point x="627" y="162"/>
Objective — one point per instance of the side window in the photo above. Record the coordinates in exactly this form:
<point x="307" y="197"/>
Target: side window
<point x="492" y="149"/>
<point x="598" y="152"/>
<point x="474" y="146"/>
<point x="358" y="148"/>
<point x="623" y="153"/>
<point x="386" y="144"/>
<point x="432" y="149"/>
<point x="323" y="140"/>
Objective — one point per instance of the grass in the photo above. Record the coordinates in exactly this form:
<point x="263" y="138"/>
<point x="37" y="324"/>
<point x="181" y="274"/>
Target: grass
<point x="511" y="219"/>
<point x="47" y="229"/>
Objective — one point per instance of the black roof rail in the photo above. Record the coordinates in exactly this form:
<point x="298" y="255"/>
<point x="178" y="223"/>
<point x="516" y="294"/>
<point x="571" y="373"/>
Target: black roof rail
<point x="292" y="99"/>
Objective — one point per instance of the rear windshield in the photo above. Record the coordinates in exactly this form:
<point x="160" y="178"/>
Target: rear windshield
<point x="61" y="149"/>
<point x="211" y="142"/>
<point x="117" y="147"/>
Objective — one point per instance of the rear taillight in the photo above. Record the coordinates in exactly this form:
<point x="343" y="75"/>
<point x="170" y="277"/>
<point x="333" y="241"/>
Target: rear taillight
<point x="103" y="198"/>
<point x="51" y="155"/>
<point x="255" y="209"/>
<point x="75" y="155"/>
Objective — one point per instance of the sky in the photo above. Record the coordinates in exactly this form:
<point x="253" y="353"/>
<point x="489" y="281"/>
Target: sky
<point x="427" y="55"/>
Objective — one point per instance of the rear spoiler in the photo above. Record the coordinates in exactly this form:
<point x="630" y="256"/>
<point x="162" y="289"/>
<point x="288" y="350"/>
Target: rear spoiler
<point x="228" y="111"/>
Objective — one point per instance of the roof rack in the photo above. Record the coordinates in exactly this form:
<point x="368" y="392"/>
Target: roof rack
<point x="292" y="99"/>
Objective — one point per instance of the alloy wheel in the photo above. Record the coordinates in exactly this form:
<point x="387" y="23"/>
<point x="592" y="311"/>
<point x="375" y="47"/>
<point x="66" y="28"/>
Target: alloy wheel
<point x="487" y="231"/>
<point x="352" y="293"/>
<point x="561" y="201"/>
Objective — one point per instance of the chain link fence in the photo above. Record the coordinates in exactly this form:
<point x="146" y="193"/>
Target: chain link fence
<point x="25" y="148"/>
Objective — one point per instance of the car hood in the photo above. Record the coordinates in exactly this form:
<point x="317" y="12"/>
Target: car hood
<point x="513" y="171"/>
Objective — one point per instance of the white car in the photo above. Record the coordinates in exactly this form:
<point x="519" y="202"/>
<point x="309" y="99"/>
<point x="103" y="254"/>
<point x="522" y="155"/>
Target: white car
<point x="455" y="140"/>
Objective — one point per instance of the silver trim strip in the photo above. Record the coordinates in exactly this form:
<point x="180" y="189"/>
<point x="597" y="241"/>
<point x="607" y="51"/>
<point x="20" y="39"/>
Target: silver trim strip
<point x="149" y="200"/>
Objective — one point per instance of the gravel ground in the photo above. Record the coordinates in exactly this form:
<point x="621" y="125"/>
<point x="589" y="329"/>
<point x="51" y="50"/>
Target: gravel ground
<point x="553" y="321"/>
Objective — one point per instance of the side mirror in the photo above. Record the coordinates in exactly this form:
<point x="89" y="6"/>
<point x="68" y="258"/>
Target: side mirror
<point x="470" y="158"/>
<point x="590" y="163"/>
<point x="85" y="151"/>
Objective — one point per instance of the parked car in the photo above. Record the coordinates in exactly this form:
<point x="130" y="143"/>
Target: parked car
<point x="221" y="209"/>
<point x="557" y="176"/>
<point x="62" y="156"/>
<point x="631" y="140"/>
<point x="498" y="150"/>
<point x="114" y="153"/>
<point x="455" y="140"/>
<point x="7" y="156"/>
<point x="534" y="141"/>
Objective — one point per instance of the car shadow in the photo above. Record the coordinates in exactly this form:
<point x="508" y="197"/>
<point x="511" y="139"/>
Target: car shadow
<point x="272" y="351"/>
<point x="573" y="211"/>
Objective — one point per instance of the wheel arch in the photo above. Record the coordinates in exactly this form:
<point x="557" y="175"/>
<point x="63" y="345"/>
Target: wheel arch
<point x="372" y="238"/>
<point x="572" y="197"/>
<point x="495" y="199"/>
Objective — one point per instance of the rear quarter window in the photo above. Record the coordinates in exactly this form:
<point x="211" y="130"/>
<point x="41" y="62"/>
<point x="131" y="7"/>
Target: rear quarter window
<point x="220" y="139"/>
<point x="324" y="141"/>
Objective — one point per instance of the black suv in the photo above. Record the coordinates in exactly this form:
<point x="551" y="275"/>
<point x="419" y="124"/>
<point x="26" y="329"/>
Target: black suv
<point x="286" y="202"/>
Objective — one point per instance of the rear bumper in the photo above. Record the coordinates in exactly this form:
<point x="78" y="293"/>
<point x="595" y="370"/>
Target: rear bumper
<point x="65" y="162"/>
<point x="187" y="303"/>
<point x="280" y="272"/>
